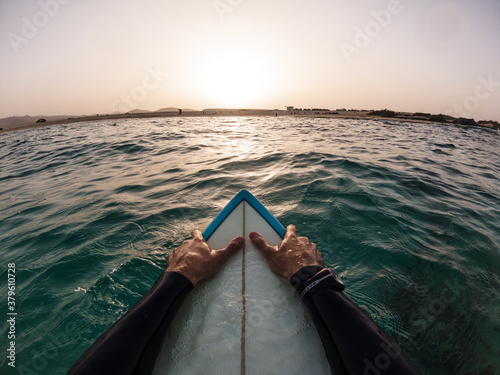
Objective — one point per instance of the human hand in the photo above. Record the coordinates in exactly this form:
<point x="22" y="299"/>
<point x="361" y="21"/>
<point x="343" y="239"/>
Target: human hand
<point x="291" y="254"/>
<point x="195" y="260"/>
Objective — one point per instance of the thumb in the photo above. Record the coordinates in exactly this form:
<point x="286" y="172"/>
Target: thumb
<point x="196" y="235"/>
<point x="291" y="231"/>
<point x="260" y="243"/>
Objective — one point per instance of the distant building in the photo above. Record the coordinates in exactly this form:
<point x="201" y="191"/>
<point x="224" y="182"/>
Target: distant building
<point x="290" y="108"/>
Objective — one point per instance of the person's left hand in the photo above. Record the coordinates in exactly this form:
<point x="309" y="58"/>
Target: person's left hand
<point x="195" y="260"/>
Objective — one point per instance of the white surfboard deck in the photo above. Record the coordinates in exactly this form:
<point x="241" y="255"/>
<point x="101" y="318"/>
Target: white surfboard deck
<point x="246" y="319"/>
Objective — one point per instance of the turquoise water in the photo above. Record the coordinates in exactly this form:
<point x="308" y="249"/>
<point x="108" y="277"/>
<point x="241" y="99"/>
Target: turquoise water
<point x="407" y="214"/>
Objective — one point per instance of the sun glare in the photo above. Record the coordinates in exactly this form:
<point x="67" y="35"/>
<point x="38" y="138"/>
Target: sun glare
<point x="234" y="80"/>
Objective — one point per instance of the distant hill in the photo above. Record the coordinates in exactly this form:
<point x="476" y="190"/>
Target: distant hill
<point x="168" y="109"/>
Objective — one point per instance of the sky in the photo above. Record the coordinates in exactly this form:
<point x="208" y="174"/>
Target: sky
<point x="69" y="57"/>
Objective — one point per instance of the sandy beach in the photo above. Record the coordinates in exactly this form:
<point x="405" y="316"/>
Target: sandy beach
<point x="29" y="122"/>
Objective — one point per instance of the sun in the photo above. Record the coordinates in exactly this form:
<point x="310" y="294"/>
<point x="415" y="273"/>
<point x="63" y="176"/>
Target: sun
<point x="234" y="79"/>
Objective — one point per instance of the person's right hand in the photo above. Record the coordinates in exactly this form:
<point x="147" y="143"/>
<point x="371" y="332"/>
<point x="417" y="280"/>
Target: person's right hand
<point x="291" y="254"/>
<point x="197" y="261"/>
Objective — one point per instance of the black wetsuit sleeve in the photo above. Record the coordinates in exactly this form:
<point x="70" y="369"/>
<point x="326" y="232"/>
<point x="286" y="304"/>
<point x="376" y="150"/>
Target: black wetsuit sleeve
<point x="132" y="344"/>
<point x="353" y="342"/>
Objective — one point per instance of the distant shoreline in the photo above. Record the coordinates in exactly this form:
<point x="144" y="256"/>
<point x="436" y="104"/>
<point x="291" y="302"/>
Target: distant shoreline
<point x="352" y="115"/>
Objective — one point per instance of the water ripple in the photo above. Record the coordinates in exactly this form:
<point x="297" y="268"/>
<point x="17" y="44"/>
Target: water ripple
<point x="407" y="215"/>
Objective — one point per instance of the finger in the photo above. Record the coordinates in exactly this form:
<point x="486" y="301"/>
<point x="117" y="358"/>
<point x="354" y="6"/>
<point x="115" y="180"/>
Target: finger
<point x="261" y="243"/>
<point x="291" y="231"/>
<point x="196" y="234"/>
<point x="232" y="247"/>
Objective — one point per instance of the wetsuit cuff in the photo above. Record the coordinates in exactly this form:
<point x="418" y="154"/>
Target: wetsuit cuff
<point x="308" y="280"/>
<point x="300" y="278"/>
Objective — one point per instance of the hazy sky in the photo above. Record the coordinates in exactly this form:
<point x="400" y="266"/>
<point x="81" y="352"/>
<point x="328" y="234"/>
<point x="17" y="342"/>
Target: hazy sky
<point x="83" y="57"/>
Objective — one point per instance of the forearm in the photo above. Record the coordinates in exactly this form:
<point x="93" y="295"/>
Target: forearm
<point x="131" y="345"/>
<point x="353" y="342"/>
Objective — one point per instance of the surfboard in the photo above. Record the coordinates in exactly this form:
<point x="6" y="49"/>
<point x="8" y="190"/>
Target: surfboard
<point x="246" y="319"/>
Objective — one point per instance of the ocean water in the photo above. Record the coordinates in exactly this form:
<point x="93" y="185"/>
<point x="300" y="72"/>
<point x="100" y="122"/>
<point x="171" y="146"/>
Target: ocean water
<point x="407" y="214"/>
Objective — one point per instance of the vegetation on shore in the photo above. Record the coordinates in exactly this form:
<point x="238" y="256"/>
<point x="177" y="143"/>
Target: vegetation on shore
<point x="440" y="118"/>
